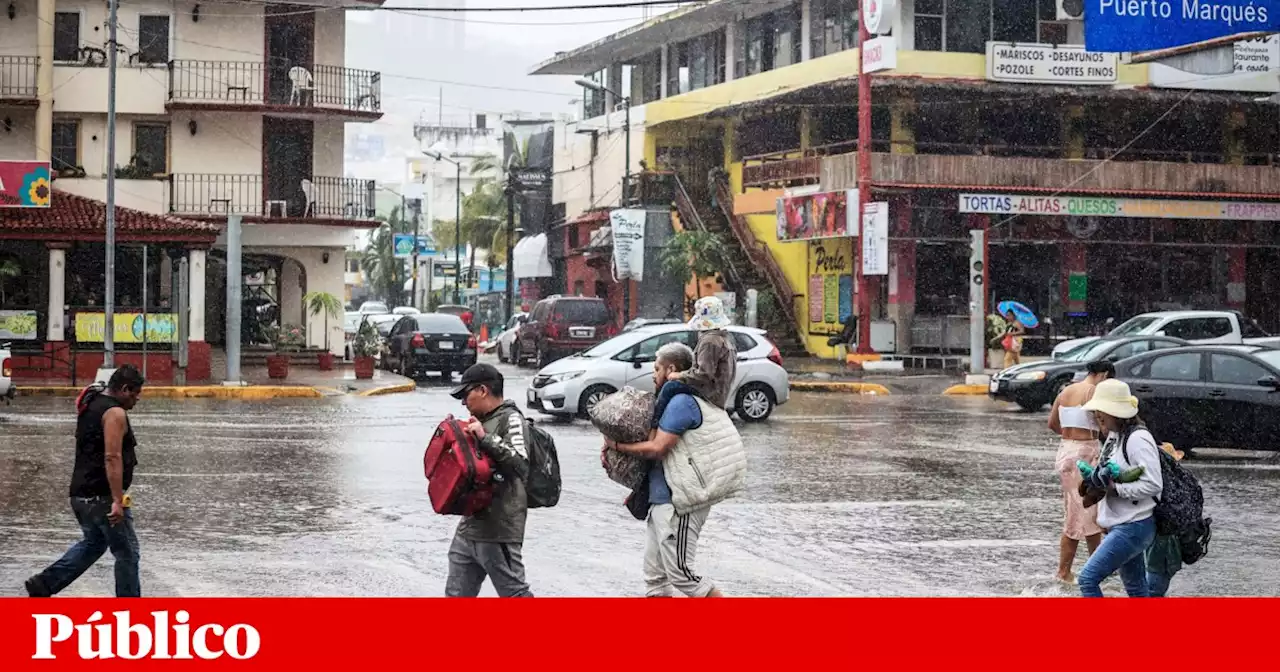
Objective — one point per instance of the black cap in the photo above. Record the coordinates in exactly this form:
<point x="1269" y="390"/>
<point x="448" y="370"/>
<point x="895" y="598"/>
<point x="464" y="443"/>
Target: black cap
<point x="477" y="374"/>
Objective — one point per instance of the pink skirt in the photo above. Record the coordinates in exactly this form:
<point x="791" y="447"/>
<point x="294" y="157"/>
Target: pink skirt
<point x="1079" y="522"/>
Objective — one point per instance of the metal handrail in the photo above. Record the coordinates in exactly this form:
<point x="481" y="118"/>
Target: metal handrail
<point x="758" y="253"/>
<point x="690" y="215"/>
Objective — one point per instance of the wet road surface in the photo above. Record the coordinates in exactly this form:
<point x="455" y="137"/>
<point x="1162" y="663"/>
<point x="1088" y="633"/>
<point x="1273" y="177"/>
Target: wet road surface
<point x="902" y="495"/>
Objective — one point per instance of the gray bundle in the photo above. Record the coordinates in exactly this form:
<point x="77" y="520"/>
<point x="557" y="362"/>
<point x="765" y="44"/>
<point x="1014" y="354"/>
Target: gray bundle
<point x="624" y="417"/>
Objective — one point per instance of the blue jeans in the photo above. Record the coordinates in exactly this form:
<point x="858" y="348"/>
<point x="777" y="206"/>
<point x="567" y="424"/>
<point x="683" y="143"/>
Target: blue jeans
<point x="1123" y="548"/>
<point x="99" y="535"/>
<point x="1158" y="583"/>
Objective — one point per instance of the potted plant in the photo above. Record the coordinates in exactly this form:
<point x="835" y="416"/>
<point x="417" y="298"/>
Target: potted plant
<point x="287" y="340"/>
<point x="366" y="345"/>
<point x="324" y="302"/>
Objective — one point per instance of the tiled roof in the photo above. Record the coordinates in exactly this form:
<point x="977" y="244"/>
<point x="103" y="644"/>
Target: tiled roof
<point x="75" y="216"/>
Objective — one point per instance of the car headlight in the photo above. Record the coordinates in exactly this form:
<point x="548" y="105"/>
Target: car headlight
<point x="562" y="377"/>
<point x="1030" y="375"/>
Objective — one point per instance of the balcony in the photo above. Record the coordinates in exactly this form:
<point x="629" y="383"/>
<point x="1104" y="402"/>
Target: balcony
<point x="248" y="86"/>
<point x="650" y="187"/>
<point x="18" y="80"/>
<point x="1079" y="176"/>
<point x="317" y="200"/>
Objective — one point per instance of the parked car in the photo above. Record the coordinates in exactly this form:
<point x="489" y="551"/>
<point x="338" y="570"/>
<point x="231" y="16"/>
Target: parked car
<point x="1197" y="326"/>
<point x="463" y="312"/>
<point x="563" y="325"/>
<point x="647" y="321"/>
<point x="507" y="339"/>
<point x="405" y="310"/>
<point x="430" y="342"/>
<point x="1210" y="396"/>
<point x="571" y="386"/>
<point x="1034" y="384"/>
<point x="383" y="324"/>
<point x="350" y="325"/>
<point x="374" y="308"/>
<point x="7" y="389"/>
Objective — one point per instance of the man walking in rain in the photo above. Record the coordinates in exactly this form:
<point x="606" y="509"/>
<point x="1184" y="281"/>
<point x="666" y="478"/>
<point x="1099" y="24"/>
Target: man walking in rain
<point x="100" y="481"/>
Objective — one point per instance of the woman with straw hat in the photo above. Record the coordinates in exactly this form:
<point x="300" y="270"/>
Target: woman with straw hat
<point x="1127" y="510"/>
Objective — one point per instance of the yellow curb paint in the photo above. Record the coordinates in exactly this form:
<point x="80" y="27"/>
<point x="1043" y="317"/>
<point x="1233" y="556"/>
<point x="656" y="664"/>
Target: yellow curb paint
<point x="845" y="387"/>
<point x="250" y="393"/>
<point x="854" y="358"/>
<point x="962" y="390"/>
<point x="389" y="389"/>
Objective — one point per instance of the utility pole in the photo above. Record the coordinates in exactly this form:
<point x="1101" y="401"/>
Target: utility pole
<point x="413" y="296"/>
<point x="109" y="326"/>
<point x="626" y="182"/>
<point x="511" y="241"/>
<point x="457" y="233"/>
<point x="864" y="188"/>
<point x="235" y="277"/>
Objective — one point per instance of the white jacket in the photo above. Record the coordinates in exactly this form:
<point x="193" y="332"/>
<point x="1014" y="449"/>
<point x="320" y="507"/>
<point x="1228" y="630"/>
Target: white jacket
<point x="708" y="464"/>
<point x="1132" y="502"/>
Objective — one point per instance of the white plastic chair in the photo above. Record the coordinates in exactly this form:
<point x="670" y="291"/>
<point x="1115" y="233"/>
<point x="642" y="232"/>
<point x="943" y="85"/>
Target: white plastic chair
<point x="309" y="193"/>
<point x="302" y="82"/>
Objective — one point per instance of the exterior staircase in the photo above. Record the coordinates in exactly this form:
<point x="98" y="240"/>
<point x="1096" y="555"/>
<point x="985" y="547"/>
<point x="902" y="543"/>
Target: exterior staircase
<point x="748" y="265"/>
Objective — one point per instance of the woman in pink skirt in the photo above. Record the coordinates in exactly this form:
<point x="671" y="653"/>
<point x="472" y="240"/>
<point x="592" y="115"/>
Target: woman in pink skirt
<point x="1069" y="420"/>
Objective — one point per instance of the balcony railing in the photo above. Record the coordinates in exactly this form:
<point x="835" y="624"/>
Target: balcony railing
<point x="18" y="77"/>
<point x="223" y="83"/>
<point x="650" y="188"/>
<point x="212" y="194"/>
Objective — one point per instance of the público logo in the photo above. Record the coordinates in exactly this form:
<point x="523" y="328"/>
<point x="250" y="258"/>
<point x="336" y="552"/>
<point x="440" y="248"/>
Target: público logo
<point x="160" y="639"/>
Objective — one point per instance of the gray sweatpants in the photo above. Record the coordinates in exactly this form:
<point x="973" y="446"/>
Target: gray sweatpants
<point x="471" y="561"/>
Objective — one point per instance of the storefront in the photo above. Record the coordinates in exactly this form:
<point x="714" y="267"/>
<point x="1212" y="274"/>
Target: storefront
<point x="52" y="290"/>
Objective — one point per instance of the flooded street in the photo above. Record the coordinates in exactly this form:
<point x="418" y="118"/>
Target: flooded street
<point x="905" y="495"/>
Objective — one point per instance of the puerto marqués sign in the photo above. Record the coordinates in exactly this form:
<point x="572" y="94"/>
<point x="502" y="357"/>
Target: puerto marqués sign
<point x="1147" y="25"/>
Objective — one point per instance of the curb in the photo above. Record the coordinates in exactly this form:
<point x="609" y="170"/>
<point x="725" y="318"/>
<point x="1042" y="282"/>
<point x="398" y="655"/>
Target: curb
<point x="389" y="389"/>
<point x="250" y="393"/>
<point x="848" y="388"/>
<point x="966" y="390"/>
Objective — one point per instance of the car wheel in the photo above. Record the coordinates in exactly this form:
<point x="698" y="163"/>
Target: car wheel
<point x="755" y="402"/>
<point x="406" y="369"/>
<point x="544" y="358"/>
<point x="1031" y="406"/>
<point x="515" y="354"/>
<point x="502" y="357"/>
<point x="447" y="375"/>
<point x="592" y="396"/>
<point x="1060" y="384"/>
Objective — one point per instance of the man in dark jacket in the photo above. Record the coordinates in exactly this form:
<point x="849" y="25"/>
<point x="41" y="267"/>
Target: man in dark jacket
<point x="100" y="479"/>
<point x="489" y="543"/>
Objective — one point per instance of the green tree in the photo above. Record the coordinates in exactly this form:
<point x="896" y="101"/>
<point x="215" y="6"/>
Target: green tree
<point x="693" y="255"/>
<point x="8" y="270"/>
<point x="386" y="273"/>
<point x="323" y="302"/>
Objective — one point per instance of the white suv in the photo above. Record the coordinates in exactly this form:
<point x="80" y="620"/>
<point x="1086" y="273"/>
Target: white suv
<point x="573" y="385"/>
<point x="7" y="390"/>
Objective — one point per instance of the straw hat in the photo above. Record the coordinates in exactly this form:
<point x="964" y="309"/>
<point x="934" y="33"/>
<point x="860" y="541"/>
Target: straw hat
<point x="1113" y="398"/>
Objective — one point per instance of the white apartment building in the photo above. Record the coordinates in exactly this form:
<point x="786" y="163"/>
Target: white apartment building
<point x="464" y="141"/>
<point x="222" y="108"/>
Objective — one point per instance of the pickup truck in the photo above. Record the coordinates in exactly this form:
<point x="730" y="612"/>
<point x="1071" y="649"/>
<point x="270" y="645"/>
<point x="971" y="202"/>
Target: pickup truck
<point x="7" y="390"/>
<point x="1196" y="326"/>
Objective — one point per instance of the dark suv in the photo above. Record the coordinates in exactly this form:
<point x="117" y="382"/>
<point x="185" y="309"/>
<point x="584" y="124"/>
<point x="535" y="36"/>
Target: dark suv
<point x="560" y="326"/>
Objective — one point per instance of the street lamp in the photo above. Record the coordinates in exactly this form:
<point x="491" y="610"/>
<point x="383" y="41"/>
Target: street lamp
<point x="437" y="152"/>
<point x="626" y="170"/>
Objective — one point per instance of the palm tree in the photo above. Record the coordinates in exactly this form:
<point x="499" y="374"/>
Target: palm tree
<point x="386" y="272"/>
<point x="693" y="255"/>
<point x="323" y="302"/>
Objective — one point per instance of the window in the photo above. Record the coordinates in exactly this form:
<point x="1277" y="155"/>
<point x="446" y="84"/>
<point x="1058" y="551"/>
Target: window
<point x="592" y="100"/>
<point x="1015" y="20"/>
<point x="1199" y="329"/>
<point x="833" y="26"/>
<point x="647" y="350"/>
<point x="646" y="79"/>
<point x="578" y="287"/>
<point x="929" y="15"/>
<point x="1049" y="29"/>
<point x="1233" y="370"/>
<point x="153" y="39"/>
<point x="769" y="41"/>
<point x="953" y="25"/>
<point x="696" y="64"/>
<point x="151" y="147"/>
<point x="678" y="69"/>
<point x="743" y="342"/>
<point x="66" y="36"/>
<point x="1185" y="366"/>
<point x="65" y="144"/>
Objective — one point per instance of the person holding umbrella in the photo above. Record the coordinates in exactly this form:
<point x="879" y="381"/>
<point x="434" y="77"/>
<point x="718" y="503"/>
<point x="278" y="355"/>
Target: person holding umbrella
<point x="1018" y="318"/>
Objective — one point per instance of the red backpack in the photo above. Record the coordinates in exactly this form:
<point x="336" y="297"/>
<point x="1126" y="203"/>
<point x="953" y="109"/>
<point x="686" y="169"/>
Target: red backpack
<point x="459" y="475"/>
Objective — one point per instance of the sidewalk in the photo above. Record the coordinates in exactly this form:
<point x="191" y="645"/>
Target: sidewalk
<point x="826" y="375"/>
<point x="303" y="382"/>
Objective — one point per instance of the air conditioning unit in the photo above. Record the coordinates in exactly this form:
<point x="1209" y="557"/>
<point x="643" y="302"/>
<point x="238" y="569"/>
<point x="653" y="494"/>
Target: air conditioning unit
<point x="1070" y="10"/>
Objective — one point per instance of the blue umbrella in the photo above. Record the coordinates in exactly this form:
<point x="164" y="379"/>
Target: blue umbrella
<point x="1021" y="312"/>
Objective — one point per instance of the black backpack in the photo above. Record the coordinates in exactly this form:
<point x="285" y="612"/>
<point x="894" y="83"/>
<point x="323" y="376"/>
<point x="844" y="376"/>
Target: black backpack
<point x="542" y="487"/>
<point x="1180" y="507"/>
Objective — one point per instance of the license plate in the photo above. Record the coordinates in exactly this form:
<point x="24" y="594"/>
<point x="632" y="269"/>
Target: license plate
<point x="995" y="386"/>
<point x="582" y="332"/>
<point x="533" y="397"/>
<point x="446" y="345"/>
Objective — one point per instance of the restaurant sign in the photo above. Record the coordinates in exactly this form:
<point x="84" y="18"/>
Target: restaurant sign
<point x="25" y="184"/>
<point x="160" y="327"/>
<point x="19" y="325"/>
<point x="1089" y="206"/>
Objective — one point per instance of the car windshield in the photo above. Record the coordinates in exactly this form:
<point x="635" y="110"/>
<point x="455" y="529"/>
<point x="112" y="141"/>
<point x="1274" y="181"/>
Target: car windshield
<point x="1089" y="351"/>
<point x="1133" y="326"/>
<point x="351" y="322"/>
<point x="582" y="312"/>
<point x="440" y="323"/>
<point x="1271" y="357"/>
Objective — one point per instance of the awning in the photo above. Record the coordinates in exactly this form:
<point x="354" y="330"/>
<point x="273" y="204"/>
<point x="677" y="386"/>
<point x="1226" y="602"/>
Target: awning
<point x="529" y="258"/>
<point x="71" y="217"/>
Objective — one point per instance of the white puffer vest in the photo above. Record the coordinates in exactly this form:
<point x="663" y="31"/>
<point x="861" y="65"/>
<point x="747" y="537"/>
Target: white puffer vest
<point x="708" y="464"/>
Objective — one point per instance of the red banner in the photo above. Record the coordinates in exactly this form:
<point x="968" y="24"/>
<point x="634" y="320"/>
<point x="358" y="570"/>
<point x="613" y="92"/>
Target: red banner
<point x="569" y="634"/>
<point x="25" y="184"/>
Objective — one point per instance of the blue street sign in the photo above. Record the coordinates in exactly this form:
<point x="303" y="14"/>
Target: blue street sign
<point x="1144" y="25"/>
<point x="402" y="245"/>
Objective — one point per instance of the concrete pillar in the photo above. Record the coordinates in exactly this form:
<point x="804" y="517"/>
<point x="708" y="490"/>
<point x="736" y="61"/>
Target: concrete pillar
<point x="902" y="273"/>
<point x="57" y="294"/>
<point x="44" y="80"/>
<point x="1075" y="265"/>
<point x="1236" y="283"/>
<point x="1233" y="137"/>
<point x="166" y="280"/>
<point x="806" y="23"/>
<point x="730" y="51"/>
<point x="291" y="293"/>
<point x="806" y="129"/>
<point x="196" y="266"/>
<point x="902" y="124"/>
<point x="1073" y="145"/>
<point x="666" y="55"/>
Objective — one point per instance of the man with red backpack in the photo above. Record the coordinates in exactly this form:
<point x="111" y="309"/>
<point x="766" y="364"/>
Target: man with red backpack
<point x="489" y="543"/>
